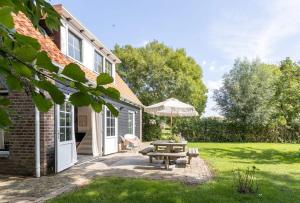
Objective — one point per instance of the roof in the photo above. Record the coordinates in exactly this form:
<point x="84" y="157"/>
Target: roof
<point x="25" y="27"/>
<point x="78" y="25"/>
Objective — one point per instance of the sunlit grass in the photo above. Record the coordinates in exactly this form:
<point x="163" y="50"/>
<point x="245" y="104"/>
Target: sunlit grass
<point x="279" y="178"/>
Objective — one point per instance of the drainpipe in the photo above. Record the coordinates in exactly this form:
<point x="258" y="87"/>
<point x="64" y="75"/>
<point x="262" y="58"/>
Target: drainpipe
<point x="37" y="144"/>
<point x="37" y="141"/>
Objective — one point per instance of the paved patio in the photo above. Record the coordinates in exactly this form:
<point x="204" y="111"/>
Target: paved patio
<point x="129" y="164"/>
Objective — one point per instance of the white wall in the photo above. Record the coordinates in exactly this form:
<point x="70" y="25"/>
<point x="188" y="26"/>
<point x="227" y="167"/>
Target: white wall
<point x="88" y="49"/>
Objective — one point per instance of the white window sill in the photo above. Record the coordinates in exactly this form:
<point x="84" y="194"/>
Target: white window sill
<point x="4" y="153"/>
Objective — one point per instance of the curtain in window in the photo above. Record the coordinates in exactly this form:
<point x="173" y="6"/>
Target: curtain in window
<point x="96" y="133"/>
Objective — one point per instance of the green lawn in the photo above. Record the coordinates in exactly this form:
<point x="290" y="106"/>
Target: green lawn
<point x="279" y="178"/>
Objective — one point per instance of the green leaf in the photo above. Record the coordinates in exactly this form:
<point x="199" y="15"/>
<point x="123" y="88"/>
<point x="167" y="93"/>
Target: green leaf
<point x="26" y="40"/>
<point x="4" y="119"/>
<point x="25" y="53"/>
<point x="43" y="104"/>
<point x="104" y="79"/>
<point x="74" y="72"/>
<point x="13" y="83"/>
<point x="44" y="61"/>
<point x="80" y="99"/>
<point x="22" y="70"/>
<point x="112" y="93"/>
<point x="4" y="101"/>
<point x="112" y="109"/>
<point x="6" y="18"/>
<point x="57" y="96"/>
<point x="97" y="106"/>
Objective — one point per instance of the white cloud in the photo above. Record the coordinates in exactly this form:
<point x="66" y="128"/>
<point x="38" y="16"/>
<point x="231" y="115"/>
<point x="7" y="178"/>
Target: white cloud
<point x="257" y="36"/>
<point x="212" y="68"/>
<point x="203" y="63"/>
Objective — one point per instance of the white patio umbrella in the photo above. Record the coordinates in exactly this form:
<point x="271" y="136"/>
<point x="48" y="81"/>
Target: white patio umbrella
<point x="172" y="108"/>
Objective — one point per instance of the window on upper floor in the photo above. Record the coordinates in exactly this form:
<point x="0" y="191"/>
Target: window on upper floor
<point x="98" y="65"/>
<point x="74" y="46"/>
<point x="108" y="67"/>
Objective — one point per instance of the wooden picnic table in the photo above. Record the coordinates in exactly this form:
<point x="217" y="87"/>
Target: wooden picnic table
<point x="169" y="145"/>
<point x="165" y="156"/>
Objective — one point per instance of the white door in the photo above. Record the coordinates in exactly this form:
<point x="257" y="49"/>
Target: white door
<point x="111" y="133"/>
<point x="66" y="155"/>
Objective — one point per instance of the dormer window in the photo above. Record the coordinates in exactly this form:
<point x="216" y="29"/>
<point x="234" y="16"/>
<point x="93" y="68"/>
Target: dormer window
<point x="98" y="66"/>
<point x="74" y="46"/>
<point x="108" y="67"/>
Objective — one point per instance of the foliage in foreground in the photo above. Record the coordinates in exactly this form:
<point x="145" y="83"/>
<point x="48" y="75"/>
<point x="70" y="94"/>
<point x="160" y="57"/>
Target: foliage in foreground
<point x="25" y="67"/>
<point x="278" y="177"/>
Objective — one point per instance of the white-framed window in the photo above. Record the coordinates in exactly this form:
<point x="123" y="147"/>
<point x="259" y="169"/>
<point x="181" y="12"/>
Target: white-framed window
<point x="131" y="122"/>
<point x="74" y="46"/>
<point x="110" y="124"/>
<point x="65" y="122"/>
<point x="108" y="68"/>
<point x="2" y="143"/>
<point x="98" y="62"/>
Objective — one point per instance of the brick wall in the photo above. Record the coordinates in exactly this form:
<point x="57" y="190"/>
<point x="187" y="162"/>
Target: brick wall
<point x="47" y="131"/>
<point x="21" y="137"/>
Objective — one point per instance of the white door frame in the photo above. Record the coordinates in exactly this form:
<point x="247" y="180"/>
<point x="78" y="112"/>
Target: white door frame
<point x="65" y="151"/>
<point x="110" y="143"/>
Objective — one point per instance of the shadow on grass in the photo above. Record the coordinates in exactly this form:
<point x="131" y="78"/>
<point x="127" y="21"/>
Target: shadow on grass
<point x="273" y="188"/>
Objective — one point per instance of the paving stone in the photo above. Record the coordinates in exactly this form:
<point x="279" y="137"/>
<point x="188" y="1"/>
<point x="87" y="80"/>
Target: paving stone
<point x="130" y="164"/>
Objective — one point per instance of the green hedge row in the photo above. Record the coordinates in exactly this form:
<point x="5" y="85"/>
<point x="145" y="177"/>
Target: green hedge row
<point x="221" y="130"/>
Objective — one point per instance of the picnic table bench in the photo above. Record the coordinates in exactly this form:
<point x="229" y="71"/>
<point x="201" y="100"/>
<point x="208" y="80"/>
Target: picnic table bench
<point x="165" y="156"/>
<point x="192" y="152"/>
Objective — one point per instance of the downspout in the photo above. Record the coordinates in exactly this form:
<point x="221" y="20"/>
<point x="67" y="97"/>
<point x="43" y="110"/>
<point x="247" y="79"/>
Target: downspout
<point x="37" y="141"/>
<point x="37" y="144"/>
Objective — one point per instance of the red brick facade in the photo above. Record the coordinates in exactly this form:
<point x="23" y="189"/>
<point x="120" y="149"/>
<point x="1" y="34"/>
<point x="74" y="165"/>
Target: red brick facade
<point x="47" y="133"/>
<point x="21" y="137"/>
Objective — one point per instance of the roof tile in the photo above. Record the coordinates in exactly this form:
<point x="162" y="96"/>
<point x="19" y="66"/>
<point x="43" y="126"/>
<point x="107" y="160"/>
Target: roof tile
<point x="25" y="27"/>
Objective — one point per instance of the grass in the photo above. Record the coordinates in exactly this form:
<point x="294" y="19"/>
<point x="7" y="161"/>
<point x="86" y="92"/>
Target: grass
<point x="279" y="178"/>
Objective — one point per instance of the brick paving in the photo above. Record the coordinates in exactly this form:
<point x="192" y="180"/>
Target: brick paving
<point x="129" y="164"/>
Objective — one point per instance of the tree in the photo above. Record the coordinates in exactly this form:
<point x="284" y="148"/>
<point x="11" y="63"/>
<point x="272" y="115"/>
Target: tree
<point x="25" y="67"/>
<point x="157" y="72"/>
<point x="247" y="92"/>
<point x="287" y="97"/>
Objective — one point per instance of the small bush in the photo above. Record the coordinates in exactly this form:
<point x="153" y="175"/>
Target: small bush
<point x="245" y="181"/>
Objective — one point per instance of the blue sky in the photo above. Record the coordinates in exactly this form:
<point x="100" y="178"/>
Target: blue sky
<point x="214" y="32"/>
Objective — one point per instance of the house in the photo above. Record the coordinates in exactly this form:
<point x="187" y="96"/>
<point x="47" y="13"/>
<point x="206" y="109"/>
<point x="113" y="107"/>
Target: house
<point x="43" y="143"/>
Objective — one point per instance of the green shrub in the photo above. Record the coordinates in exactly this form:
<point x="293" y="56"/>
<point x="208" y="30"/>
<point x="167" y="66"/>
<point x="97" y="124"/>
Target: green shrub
<point x="245" y="180"/>
<point x="221" y="130"/>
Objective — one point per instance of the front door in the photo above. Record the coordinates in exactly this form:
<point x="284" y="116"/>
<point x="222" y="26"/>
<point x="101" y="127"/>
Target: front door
<point x="66" y="155"/>
<point x="111" y="133"/>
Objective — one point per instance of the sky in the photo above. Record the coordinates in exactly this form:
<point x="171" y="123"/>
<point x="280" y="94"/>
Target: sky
<point x="213" y="32"/>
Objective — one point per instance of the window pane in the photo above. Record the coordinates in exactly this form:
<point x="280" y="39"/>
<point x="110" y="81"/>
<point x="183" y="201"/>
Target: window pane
<point x="108" y="67"/>
<point x="107" y="131"/>
<point x="112" y="131"/>
<point x="68" y="133"/>
<point x="74" y="46"/>
<point x="68" y="119"/>
<point x="113" y="122"/>
<point x="62" y="134"/>
<point x="2" y="146"/>
<point x="98" y="62"/>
